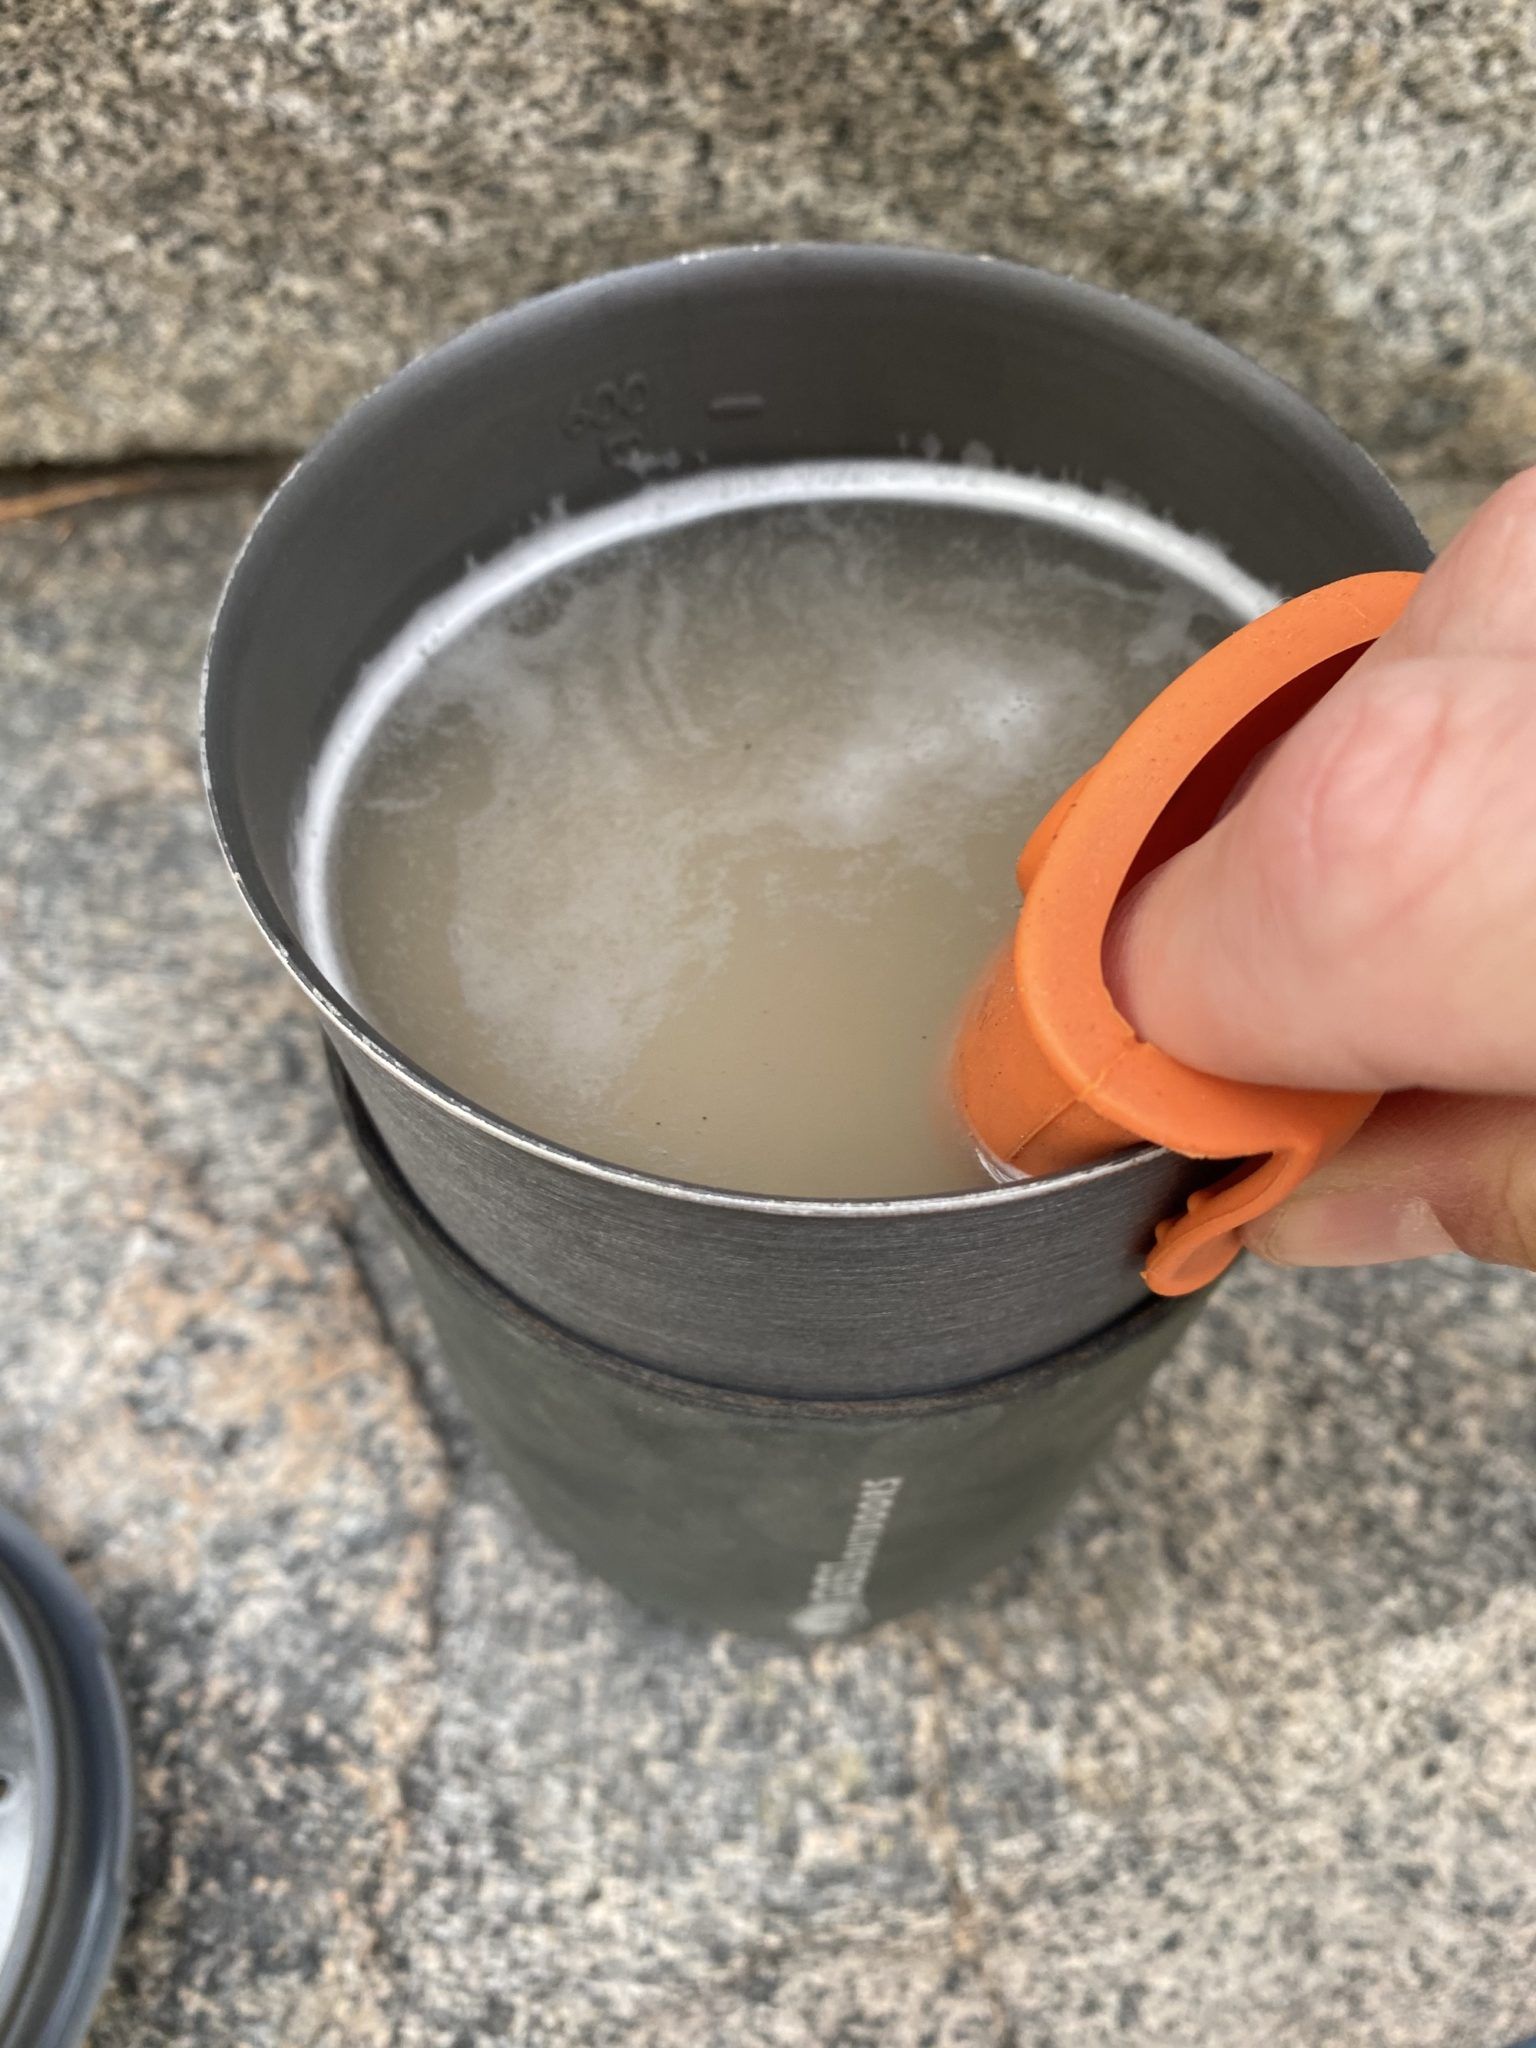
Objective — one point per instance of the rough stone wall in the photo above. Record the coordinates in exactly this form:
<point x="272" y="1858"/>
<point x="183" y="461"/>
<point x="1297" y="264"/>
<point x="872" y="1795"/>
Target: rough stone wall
<point x="221" y="220"/>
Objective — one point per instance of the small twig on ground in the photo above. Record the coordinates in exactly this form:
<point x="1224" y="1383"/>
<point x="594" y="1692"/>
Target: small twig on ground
<point x="34" y="499"/>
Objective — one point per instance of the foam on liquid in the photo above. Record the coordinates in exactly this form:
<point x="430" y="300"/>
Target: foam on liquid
<point x="678" y="833"/>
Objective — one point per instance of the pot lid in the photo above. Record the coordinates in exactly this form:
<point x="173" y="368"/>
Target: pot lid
<point x="66" y="1800"/>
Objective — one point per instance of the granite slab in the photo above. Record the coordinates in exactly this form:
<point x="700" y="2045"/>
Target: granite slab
<point x="1244" y="1750"/>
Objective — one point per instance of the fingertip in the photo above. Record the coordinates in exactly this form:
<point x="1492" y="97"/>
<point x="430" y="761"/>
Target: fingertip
<point x="1477" y="596"/>
<point x="1157" y="952"/>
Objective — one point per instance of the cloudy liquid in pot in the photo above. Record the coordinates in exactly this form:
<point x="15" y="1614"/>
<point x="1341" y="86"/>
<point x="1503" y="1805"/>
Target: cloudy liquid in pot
<point x="679" y="833"/>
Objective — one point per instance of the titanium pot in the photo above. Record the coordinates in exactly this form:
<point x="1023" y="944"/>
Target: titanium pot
<point x="788" y="1517"/>
<point x="748" y="356"/>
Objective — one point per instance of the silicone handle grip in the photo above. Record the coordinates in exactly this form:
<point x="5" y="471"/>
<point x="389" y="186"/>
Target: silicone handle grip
<point x="1049" y="1075"/>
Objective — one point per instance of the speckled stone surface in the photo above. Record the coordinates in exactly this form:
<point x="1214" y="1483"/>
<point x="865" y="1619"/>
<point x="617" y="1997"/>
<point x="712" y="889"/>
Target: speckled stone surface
<point x="220" y="220"/>
<point x="1244" y="1752"/>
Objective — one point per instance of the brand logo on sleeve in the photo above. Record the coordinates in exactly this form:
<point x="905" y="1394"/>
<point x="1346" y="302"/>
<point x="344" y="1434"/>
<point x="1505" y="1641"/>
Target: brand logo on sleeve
<point x="835" y="1606"/>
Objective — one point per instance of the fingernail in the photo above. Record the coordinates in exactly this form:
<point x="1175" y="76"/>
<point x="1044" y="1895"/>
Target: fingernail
<point x="1365" y="1227"/>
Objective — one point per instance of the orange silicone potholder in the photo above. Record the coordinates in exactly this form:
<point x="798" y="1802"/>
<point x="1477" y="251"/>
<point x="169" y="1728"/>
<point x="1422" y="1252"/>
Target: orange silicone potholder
<point x="1049" y="1075"/>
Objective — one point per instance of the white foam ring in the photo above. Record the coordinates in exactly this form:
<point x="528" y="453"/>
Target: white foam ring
<point x="565" y="542"/>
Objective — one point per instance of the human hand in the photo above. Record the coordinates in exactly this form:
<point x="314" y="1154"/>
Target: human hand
<point x="1364" y="917"/>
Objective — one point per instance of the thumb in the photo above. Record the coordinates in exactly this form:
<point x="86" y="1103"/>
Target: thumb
<point x="1364" y="916"/>
<point x="1428" y="1173"/>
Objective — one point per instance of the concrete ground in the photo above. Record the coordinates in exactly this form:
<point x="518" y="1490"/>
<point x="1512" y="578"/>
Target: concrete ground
<point x="1243" y="1752"/>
